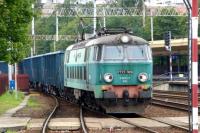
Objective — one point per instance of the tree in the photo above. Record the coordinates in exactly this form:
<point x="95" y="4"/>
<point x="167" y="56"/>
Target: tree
<point x="132" y="3"/>
<point x="176" y="25"/>
<point x="15" y="18"/>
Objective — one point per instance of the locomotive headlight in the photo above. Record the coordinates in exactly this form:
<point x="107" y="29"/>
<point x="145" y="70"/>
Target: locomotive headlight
<point x="108" y="77"/>
<point x="125" y="39"/>
<point x="143" y="77"/>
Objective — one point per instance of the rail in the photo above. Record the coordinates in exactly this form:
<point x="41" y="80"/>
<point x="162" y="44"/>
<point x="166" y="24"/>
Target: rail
<point x="83" y="125"/>
<point x="127" y="122"/>
<point x="148" y="129"/>
<point x="44" y="128"/>
<point x="168" y="123"/>
<point x="171" y="104"/>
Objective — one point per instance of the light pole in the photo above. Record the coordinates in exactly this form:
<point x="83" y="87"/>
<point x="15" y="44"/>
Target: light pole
<point x="33" y="33"/>
<point x="95" y="18"/>
<point x="151" y="26"/>
<point x="104" y="18"/>
<point x="56" y="40"/>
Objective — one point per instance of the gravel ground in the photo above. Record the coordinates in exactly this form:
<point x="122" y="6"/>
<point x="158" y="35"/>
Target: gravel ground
<point x="67" y="110"/>
<point x="126" y="130"/>
<point x="184" y="101"/>
<point x="136" y="130"/>
<point x="45" y="105"/>
<point x="118" y="130"/>
<point x="158" y="111"/>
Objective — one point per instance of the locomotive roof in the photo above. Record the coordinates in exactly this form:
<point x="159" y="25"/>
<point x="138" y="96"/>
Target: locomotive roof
<point x="106" y="40"/>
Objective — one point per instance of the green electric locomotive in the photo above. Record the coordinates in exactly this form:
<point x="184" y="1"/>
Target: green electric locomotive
<point x="112" y="73"/>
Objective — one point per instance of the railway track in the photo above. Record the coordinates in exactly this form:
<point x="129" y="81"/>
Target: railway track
<point x="147" y="129"/>
<point x="175" y="95"/>
<point x="45" y="125"/>
<point x="47" y="120"/>
<point x="136" y="125"/>
<point x="171" y="99"/>
<point x="183" y="93"/>
<point x="171" y="96"/>
<point x="83" y="125"/>
<point x="168" y="123"/>
<point x="171" y="104"/>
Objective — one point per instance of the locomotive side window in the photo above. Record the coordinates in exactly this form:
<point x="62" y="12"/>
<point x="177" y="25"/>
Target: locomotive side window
<point x="87" y="54"/>
<point x="80" y="55"/>
<point x="149" y="53"/>
<point x="97" y="53"/>
<point x="67" y="56"/>
<point x="72" y="56"/>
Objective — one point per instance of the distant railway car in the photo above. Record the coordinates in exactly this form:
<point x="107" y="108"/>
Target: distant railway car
<point x="112" y="72"/>
<point x="3" y="67"/>
<point x="45" y="70"/>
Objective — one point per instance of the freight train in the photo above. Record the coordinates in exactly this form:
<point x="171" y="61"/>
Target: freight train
<point x="111" y="73"/>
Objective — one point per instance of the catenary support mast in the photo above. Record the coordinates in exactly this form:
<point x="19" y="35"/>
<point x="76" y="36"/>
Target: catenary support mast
<point x="194" y="69"/>
<point x="192" y="7"/>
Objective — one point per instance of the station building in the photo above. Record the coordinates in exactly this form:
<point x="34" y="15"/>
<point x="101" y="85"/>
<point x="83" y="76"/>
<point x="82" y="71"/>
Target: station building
<point x="179" y="57"/>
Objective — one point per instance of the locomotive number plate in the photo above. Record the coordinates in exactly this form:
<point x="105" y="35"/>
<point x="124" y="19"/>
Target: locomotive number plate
<point x="125" y="72"/>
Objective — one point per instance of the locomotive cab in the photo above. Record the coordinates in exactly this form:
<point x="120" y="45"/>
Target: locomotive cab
<point x="124" y="70"/>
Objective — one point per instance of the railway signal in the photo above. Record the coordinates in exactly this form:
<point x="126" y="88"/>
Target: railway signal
<point x="167" y="38"/>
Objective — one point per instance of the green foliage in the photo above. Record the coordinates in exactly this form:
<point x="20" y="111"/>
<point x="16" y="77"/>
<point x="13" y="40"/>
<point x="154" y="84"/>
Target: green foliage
<point x="174" y="24"/>
<point x="33" y="102"/>
<point x="8" y="101"/>
<point x="72" y="26"/>
<point x="14" y="20"/>
<point x="133" y="23"/>
<point x="45" y="26"/>
<point x="42" y="47"/>
<point x="132" y="3"/>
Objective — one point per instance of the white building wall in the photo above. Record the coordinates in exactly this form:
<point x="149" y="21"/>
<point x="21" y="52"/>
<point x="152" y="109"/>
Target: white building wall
<point x="52" y="1"/>
<point x="163" y="2"/>
<point x="43" y="1"/>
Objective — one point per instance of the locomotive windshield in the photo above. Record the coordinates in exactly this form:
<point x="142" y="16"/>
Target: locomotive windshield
<point x="136" y="52"/>
<point x="130" y="52"/>
<point x="113" y="52"/>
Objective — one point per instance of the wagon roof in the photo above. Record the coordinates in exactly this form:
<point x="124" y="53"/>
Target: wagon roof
<point x="106" y="40"/>
<point x="52" y="53"/>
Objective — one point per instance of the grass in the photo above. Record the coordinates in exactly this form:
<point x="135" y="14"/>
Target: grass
<point x="32" y="102"/>
<point x="8" y="101"/>
<point x="10" y="131"/>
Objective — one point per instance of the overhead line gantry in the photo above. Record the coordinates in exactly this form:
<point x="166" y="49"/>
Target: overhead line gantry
<point x="114" y="11"/>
